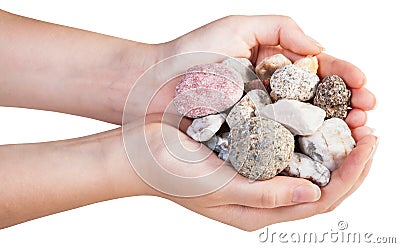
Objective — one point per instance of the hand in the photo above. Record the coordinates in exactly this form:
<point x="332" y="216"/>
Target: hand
<point x="250" y="206"/>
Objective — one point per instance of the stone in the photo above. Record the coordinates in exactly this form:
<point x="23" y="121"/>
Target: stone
<point x="256" y="84"/>
<point x="269" y="65"/>
<point x="309" y="63"/>
<point x="299" y="117"/>
<point x="304" y="167"/>
<point x="292" y="82"/>
<point x="333" y="96"/>
<point x="246" y="107"/>
<point x="260" y="148"/>
<point x="207" y="89"/>
<point x="243" y="66"/>
<point x="330" y="145"/>
<point x="219" y="144"/>
<point x="202" y="129"/>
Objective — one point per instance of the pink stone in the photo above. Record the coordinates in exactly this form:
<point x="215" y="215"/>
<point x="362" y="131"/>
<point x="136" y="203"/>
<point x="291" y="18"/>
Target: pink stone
<point x="207" y="89"/>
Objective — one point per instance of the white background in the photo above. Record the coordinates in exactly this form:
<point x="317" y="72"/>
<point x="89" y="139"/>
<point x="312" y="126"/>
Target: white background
<point x="362" y="32"/>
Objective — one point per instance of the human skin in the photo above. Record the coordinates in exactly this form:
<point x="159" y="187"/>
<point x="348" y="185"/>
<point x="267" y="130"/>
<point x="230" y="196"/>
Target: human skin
<point x="88" y="74"/>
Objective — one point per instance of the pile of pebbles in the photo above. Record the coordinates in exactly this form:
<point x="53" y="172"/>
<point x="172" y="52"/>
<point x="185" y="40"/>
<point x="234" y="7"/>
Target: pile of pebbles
<point x="276" y="118"/>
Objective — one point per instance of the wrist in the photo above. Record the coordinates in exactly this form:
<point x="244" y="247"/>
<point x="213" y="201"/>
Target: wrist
<point x="122" y="179"/>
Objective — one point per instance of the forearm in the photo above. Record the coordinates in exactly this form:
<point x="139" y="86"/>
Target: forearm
<point x="57" y="68"/>
<point x="42" y="179"/>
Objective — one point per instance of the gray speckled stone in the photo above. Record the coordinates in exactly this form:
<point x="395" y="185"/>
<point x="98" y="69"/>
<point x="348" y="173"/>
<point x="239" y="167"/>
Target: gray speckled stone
<point x="260" y="148"/>
<point x="292" y="82"/>
<point x="246" y="107"/>
<point x="330" y="145"/>
<point x="304" y="167"/>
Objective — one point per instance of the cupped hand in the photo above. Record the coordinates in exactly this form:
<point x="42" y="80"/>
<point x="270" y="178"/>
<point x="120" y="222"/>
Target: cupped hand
<point x="250" y="206"/>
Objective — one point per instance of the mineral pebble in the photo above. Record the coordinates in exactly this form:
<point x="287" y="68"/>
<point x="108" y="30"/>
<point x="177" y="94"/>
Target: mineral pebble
<point x="304" y="167"/>
<point x="333" y="96"/>
<point x="207" y="89"/>
<point x="299" y="117"/>
<point x="260" y="148"/>
<point x="202" y="129"/>
<point x="268" y="65"/>
<point x="246" y="107"/>
<point x="243" y="66"/>
<point x="292" y="82"/>
<point x="309" y="63"/>
<point x="330" y="145"/>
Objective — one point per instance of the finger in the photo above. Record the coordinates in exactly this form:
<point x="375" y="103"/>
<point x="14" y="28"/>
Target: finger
<point x="278" y="30"/>
<point x="360" y="132"/>
<point x="276" y="192"/>
<point x="363" y="99"/>
<point x="356" y="118"/>
<point x="343" y="179"/>
<point x="354" y="188"/>
<point x="353" y="76"/>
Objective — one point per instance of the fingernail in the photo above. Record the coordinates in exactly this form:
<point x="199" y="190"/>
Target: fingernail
<point x="306" y="193"/>
<point x="374" y="148"/>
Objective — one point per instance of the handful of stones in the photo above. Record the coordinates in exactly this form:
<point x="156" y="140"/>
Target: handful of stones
<point x="276" y="118"/>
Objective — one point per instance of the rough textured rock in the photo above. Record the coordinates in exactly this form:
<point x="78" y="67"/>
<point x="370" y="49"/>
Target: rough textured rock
<point x="243" y="66"/>
<point x="207" y="89"/>
<point x="260" y="148"/>
<point x="246" y="107"/>
<point x="292" y="82"/>
<point x="268" y="65"/>
<point x="333" y="96"/>
<point x="304" y="167"/>
<point x="219" y="144"/>
<point x="202" y="129"/>
<point x="330" y="145"/>
<point x="299" y="117"/>
<point x="309" y="63"/>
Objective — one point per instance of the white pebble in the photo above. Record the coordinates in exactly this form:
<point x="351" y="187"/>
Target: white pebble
<point x="330" y="145"/>
<point x="202" y="129"/>
<point x="300" y="118"/>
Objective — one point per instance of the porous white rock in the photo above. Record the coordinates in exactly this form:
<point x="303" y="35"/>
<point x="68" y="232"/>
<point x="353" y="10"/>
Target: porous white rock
<point x="299" y="117"/>
<point x="304" y="167"/>
<point x="243" y="66"/>
<point x="330" y="144"/>
<point x="202" y="129"/>
<point x="246" y="107"/>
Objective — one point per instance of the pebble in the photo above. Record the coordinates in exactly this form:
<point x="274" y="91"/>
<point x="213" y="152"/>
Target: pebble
<point x="269" y="65"/>
<point x="330" y="145"/>
<point x="207" y="89"/>
<point x="202" y="129"/>
<point x="309" y="63"/>
<point x="260" y="148"/>
<point x="304" y="167"/>
<point x="243" y="66"/>
<point x="292" y="82"/>
<point x="299" y="117"/>
<point x="333" y="96"/>
<point x="246" y="107"/>
<point x="219" y="144"/>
